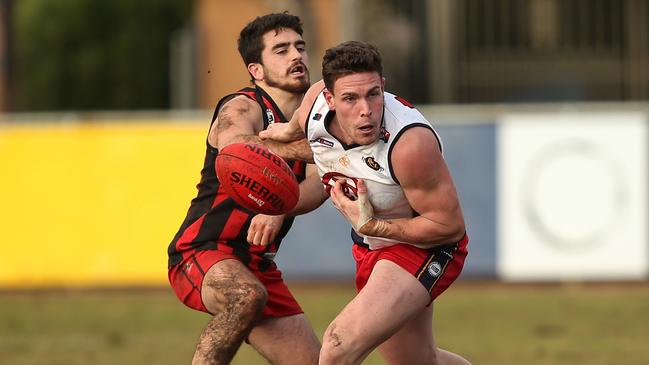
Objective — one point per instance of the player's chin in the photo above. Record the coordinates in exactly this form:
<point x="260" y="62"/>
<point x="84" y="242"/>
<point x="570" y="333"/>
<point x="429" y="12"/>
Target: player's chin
<point x="299" y="85"/>
<point x="365" y="138"/>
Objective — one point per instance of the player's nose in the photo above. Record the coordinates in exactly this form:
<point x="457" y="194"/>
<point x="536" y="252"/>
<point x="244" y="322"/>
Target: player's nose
<point x="296" y="54"/>
<point x="365" y="109"/>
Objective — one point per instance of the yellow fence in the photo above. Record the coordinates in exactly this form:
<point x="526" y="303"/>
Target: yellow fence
<point x="94" y="203"/>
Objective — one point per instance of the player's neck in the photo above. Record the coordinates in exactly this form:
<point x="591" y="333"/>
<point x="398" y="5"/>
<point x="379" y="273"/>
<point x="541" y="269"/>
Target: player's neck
<point x="336" y="130"/>
<point x="286" y="101"/>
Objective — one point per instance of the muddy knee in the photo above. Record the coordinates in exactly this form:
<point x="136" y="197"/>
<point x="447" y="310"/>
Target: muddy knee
<point x="249" y="298"/>
<point x="228" y="296"/>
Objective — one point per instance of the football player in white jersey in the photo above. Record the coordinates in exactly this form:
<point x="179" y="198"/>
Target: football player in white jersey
<point x="382" y="164"/>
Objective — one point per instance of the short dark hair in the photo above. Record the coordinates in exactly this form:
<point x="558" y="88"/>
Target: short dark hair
<point x="349" y="58"/>
<point x="250" y="41"/>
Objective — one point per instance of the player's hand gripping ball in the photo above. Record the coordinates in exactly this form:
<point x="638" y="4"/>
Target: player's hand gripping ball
<point x="257" y="179"/>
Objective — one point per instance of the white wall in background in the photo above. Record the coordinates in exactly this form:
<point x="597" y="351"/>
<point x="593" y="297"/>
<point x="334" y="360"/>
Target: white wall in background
<point x="572" y="196"/>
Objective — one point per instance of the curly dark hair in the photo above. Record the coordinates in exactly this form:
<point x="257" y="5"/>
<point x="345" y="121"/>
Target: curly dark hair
<point x="349" y="58"/>
<point x="250" y="42"/>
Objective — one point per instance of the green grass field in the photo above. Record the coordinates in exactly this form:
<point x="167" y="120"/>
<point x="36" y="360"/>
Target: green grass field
<point x="488" y="323"/>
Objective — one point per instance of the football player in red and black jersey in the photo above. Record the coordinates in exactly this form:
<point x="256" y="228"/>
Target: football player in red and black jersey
<point x="221" y="259"/>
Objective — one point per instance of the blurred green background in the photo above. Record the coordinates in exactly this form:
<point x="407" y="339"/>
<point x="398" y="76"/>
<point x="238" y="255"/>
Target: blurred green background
<point x="89" y="55"/>
<point x="489" y="324"/>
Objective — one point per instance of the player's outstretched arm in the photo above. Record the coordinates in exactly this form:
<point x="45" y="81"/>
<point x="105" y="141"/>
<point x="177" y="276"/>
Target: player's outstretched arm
<point x="429" y="188"/>
<point x="293" y="131"/>
<point x="240" y="121"/>
<point x="312" y="192"/>
<point x="284" y="132"/>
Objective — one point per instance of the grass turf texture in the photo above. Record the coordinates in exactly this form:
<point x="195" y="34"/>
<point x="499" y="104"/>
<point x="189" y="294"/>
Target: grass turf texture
<point x="488" y="323"/>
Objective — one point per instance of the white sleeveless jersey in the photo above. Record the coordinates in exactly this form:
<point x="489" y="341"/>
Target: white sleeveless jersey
<point x="371" y="162"/>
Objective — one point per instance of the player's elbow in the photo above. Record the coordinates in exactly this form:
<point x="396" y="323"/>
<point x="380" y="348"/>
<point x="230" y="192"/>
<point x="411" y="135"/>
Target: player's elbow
<point x="454" y="228"/>
<point x="442" y="233"/>
<point x="457" y="227"/>
<point x="457" y="232"/>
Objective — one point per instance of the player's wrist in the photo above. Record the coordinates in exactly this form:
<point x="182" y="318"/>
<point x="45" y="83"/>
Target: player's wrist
<point x="375" y="227"/>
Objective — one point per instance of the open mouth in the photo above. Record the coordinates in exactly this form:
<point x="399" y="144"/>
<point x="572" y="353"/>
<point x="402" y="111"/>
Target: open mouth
<point x="366" y="128"/>
<point x="297" y="70"/>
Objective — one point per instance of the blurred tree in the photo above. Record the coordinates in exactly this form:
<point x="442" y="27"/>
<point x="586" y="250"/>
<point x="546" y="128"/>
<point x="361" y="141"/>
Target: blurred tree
<point x="397" y="28"/>
<point x="94" y="54"/>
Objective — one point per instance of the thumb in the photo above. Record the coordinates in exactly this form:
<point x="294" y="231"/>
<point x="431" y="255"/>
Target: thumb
<point x="365" y="209"/>
<point x="361" y="187"/>
<point x="262" y="135"/>
<point x="266" y="133"/>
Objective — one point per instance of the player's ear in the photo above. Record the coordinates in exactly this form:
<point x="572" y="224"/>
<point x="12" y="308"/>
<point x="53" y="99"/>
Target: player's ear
<point x="329" y="97"/>
<point x="256" y="71"/>
<point x="382" y="83"/>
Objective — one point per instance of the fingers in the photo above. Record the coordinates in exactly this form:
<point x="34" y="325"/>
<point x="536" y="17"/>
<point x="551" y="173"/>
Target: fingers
<point x="365" y="209"/>
<point x="337" y="194"/>
<point x="267" y="133"/>
<point x="282" y="132"/>
<point x="263" y="229"/>
<point x="357" y="212"/>
<point x="362" y="188"/>
<point x="261" y="237"/>
<point x="255" y="232"/>
<point x="345" y="188"/>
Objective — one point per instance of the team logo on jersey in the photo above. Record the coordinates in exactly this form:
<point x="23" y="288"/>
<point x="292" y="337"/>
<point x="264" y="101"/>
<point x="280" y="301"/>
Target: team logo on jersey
<point x="434" y="269"/>
<point x="344" y="160"/>
<point x="270" y="116"/>
<point x="317" y="116"/>
<point x="371" y="162"/>
<point x="322" y="141"/>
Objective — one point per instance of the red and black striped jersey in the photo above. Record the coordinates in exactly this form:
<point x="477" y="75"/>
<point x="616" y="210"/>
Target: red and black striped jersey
<point x="214" y="218"/>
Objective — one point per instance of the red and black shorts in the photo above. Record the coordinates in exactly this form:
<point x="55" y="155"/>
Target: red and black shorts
<point x="186" y="280"/>
<point x="435" y="268"/>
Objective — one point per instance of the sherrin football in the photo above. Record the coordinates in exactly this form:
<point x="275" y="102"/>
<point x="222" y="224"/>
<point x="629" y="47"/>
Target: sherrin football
<point x="257" y="179"/>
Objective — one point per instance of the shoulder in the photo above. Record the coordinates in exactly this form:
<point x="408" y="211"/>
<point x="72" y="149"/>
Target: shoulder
<point x="416" y="150"/>
<point x="416" y="140"/>
<point x="402" y="110"/>
<point x="239" y="105"/>
<point x="237" y="116"/>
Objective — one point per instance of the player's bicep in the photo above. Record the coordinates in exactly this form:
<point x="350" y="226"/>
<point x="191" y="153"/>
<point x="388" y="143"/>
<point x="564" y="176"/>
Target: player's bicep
<point x="422" y="172"/>
<point x="238" y="117"/>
